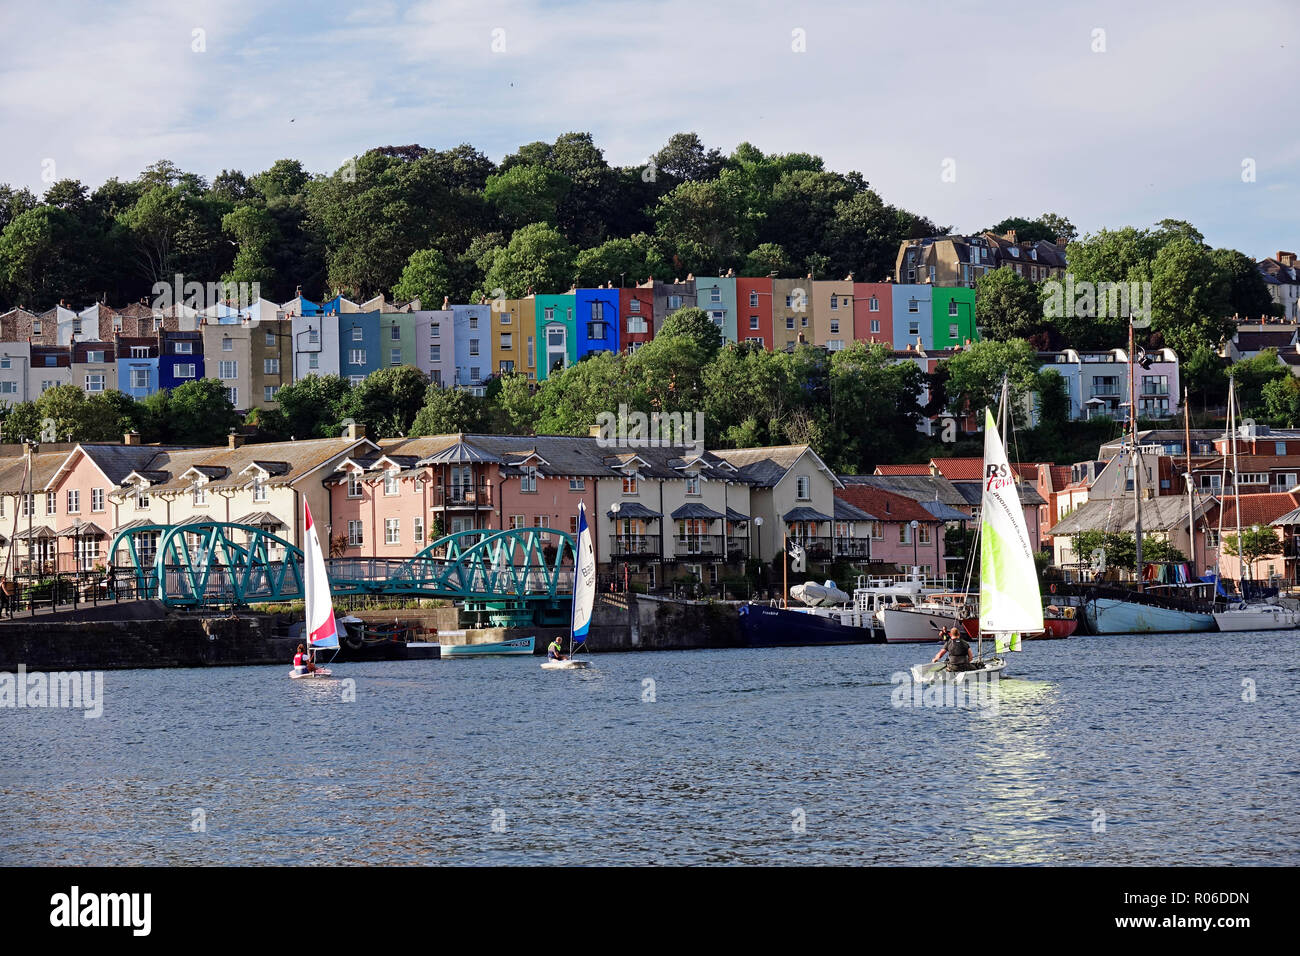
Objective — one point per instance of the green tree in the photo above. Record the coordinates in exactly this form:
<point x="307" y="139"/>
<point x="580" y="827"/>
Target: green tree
<point x="629" y="261"/>
<point x="769" y="259"/>
<point x="1257" y="541"/>
<point x="1008" y="305"/>
<point x="313" y="406"/>
<point x="975" y="376"/>
<point x="527" y="194"/>
<point x="1189" y="296"/>
<point x="388" y="400"/>
<point x="445" y="412"/>
<point x="426" y="277"/>
<point x="1282" y="401"/>
<point x="197" y="413"/>
<point x="537" y="257"/>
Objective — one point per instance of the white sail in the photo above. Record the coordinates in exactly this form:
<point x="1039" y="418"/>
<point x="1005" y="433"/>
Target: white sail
<point x="322" y="631"/>
<point x="1010" y="602"/>
<point x="584" y="579"/>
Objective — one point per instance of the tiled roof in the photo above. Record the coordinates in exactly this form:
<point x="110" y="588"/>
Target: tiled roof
<point x="1258" y="341"/>
<point x="921" y="469"/>
<point x="972" y="469"/>
<point x="884" y="505"/>
<point x="925" y="487"/>
<point x="1257" y="509"/>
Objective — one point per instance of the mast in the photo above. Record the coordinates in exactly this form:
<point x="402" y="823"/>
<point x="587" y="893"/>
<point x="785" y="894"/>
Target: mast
<point x="1236" y="486"/>
<point x="1191" y="506"/>
<point x="1137" y="460"/>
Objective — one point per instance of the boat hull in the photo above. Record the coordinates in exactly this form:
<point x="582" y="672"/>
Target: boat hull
<point x="1054" y="629"/>
<point x="938" y="672"/>
<point x="764" y="626"/>
<point x="518" y="646"/>
<point x="1113" y="616"/>
<point x="915" y="626"/>
<point x="569" y="665"/>
<point x="301" y="673"/>
<point x="1268" y="617"/>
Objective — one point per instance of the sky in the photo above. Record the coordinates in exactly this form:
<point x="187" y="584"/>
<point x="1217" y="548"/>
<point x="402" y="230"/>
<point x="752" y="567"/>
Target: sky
<point x="1110" y="113"/>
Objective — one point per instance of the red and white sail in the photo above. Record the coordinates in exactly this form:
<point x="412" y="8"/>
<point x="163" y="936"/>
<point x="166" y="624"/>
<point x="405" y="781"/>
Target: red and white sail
<point x="322" y="631"/>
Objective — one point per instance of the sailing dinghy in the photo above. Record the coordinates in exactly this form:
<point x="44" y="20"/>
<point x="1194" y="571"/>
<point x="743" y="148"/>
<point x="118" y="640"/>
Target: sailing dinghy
<point x="322" y="629"/>
<point x="584" y="596"/>
<point x="1010" y="601"/>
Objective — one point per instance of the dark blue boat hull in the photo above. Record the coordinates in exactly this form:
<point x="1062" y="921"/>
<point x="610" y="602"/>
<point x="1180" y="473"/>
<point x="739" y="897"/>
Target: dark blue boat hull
<point x="765" y="626"/>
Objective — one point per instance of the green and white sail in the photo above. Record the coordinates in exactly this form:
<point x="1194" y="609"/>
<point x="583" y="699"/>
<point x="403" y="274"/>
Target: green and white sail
<point x="1010" y="602"/>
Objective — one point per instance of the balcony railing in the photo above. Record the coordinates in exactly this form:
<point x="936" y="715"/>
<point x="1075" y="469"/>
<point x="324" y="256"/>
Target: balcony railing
<point x="817" y="546"/>
<point x="634" y="546"/>
<point x="462" y="496"/>
<point x="737" y="547"/>
<point x="852" y="548"/>
<point x="1104" y="391"/>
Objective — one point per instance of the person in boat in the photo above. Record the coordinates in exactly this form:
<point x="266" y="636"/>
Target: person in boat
<point x="957" y="650"/>
<point x="303" y="660"/>
<point x="554" y="651"/>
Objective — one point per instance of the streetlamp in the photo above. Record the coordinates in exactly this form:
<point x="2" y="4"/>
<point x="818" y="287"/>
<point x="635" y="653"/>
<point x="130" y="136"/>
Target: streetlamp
<point x="915" y="559"/>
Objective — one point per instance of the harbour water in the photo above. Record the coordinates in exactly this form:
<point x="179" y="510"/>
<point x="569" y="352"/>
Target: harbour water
<point x="1117" y="750"/>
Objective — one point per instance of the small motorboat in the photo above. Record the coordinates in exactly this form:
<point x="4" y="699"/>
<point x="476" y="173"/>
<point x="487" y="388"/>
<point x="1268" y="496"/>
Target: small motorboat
<point x="520" y="645"/>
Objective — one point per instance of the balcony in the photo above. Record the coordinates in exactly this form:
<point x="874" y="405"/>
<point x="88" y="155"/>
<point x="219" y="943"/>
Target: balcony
<point x="462" y="496"/>
<point x="817" y="546"/>
<point x="634" y="547"/>
<point x="852" y="548"/>
<point x="698" y="545"/>
<point x="737" y="547"/>
<point x="1104" y="391"/>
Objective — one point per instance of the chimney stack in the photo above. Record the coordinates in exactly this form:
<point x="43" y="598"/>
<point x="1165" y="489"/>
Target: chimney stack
<point x="131" y="438"/>
<point x="354" y="432"/>
<point x="234" y="440"/>
<point x="446" y="299"/>
<point x="1286" y="258"/>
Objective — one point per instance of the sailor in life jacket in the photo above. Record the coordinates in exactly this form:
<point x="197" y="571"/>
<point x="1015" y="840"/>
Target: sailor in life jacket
<point x="302" y="660"/>
<point x="553" y="652"/>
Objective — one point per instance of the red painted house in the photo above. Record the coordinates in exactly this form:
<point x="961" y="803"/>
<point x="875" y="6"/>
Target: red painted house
<point x="754" y="311"/>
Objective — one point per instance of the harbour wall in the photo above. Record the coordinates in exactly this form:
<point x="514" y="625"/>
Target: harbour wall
<point x="144" y="634"/>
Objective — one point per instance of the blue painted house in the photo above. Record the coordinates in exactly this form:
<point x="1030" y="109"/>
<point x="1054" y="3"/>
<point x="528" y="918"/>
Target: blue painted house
<point x="472" y="332"/>
<point x="597" y="320"/>
<point x="359" y="345"/>
<point x="913" y="316"/>
<point x="137" y="366"/>
<point x="181" y="360"/>
<point x="716" y="295"/>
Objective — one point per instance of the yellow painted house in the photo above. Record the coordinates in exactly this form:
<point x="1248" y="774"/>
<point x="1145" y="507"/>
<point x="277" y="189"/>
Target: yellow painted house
<point x="514" y="328"/>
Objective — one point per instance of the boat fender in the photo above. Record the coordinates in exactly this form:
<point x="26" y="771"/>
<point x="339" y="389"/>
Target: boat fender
<point x="1052" y="588"/>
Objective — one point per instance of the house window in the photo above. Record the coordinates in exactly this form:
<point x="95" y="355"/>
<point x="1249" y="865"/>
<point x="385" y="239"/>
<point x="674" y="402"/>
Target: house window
<point x="11" y="388"/>
<point x="674" y="302"/>
<point x="93" y="358"/>
<point x="313" y="360"/>
<point x="394" y="356"/>
<point x="269" y="341"/>
<point x="228" y="369"/>
<point x="634" y="305"/>
<point x="395" y="333"/>
<point x="354" y="485"/>
<point x="417" y="529"/>
<point x="507" y="341"/>
<point x="139" y="378"/>
<point x="577" y="484"/>
<point x="200" y="495"/>
<point x="693" y="485"/>
<point x="47" y="384"/>
<point x="753" y="322"/>
<point x="596" y="330"/>
<point x="474" y="374"/>
<point x="139" y="351"/>
<point x="271" y="366"/>
<point x="473" y="347"/>
<point x="227" y="344"/>
<point x="183" y="371"/>
<point x="789" y="322"/>
<point x="96" y="499"/>
<point x="313" y="336"/>
<point x="531" y="363"/>
<point x="391" y="488"/>
<point x="912" y="306"/>
<point x="629" y="484"/>
<point x="904" y="533"/>
<point x="835" y="326"/>
<point x="875" y="325"/>
<point x="435" y="353"/>
<point x="873" y="304"/>
<point x="29" y="505"/>
<point x="541" y="521"/>
<point x="952" y="306"/>
<point x="507" y="318"/>
<point x="74" y="502"/>
<point x="473" y="321"/>
<point x="356" y="333"/>
<point x="355" y="380"/>
<point x="528" y="480"/>
<point x="753" y="300"/>
<point x="636" y="324"/>
<point x="435" y="330"/>
<point x="834" y="304"/>
<point x="36" y="327"/>
<point x="357" y="357"/>
<point x="803" y="487"/>
<point x="356" y="536"/>
<point x="715" y="294"/>
<point x="269" y="392"/>
<point x="803" y="321"/>
<point x="518" y="521"/>
<point x="232" y="395"/>
<point x="392" y="531"/>
<point x="573" y="524"/>
<point x="141" y="497"/>
<point x="923" y="534"/>
<point x="549" y="312"/>
<point x="878" y="530"/>
<point x="913" y="328"/>
<point x="259" y="489"/>
<point x="952" y="331"/>
<point x="1211" y="537"/>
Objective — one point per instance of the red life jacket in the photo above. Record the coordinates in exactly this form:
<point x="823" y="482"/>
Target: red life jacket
<point x="297" y="659"/>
